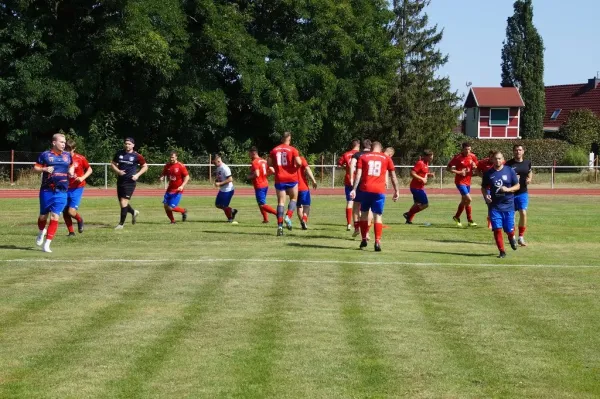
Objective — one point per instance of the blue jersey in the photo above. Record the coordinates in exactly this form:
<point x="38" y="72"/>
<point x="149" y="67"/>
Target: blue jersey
<point x="493" y="180"/>
<point x="58" y="180"/>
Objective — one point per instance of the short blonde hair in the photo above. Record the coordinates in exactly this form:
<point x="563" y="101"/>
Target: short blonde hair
<point x="390" y="150"/>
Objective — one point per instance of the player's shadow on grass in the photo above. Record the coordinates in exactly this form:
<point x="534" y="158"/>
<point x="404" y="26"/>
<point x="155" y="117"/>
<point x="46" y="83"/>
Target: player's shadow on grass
<point x="452" y="253"/>
<point x="17" y="248"/>
<point x="315" y="246"/>
<point x="458" y="241"/>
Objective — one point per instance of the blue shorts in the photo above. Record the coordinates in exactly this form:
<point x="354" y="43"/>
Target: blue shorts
<point x="521" y="202"/>
<point x="285" y="186"/>
<point x="52" y="201"/>
<point x="172" y="199"/>
<point x="502" y="220"/>
<point x="373" y="202"/>
<point x="74" y="196"/>
<point x="419" y="196"/>
<point x="261" y="195"/>
<point x="224" y="199"/>
<point x="303" y="198"/>
<point x="347" y="190"/>
<point x="463" y="190"/>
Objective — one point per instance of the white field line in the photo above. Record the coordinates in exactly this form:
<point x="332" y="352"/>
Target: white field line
<point x="311" y="261"/>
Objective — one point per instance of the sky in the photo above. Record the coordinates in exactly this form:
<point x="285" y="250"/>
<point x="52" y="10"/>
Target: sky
<point x="475" y="29"/>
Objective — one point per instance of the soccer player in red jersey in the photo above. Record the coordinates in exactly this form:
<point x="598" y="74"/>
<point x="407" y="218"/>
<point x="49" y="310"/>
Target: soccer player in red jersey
<point x="344" y="162"/>
<point x="259" y="170"/>
<point x="371" y="176"/>
<point x="178" y="177"/>
<point x="304" y="200"/>
<point x="82" y="170"/>
<point x="462" y="166"/>
<point x="285" y="161"/>
<point x="420" y="173"/>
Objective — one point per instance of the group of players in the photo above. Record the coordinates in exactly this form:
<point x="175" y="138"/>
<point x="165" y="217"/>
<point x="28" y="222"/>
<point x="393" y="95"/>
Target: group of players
<point x="504" y="187"/>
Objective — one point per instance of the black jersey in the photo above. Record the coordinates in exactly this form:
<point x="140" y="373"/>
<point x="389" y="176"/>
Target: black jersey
<point x="128" y="162"/>
<point x="522" y="169"/>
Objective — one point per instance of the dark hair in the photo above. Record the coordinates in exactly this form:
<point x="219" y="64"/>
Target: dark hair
<point x="215" y="156"/>
<point x="130" y="139"/>
<point x="174" y="153"/>
<point x="466" y="144"/>
<point x="427" y="153"/>
<point x="70" y="145"/>
<point x="518" y="145"/>
<point x="253" y="149"/>
<point x="285" y="136"/>
<point x="492" y="152"/>
<point x="367" y="143"/>
<point x="354" y="143"/>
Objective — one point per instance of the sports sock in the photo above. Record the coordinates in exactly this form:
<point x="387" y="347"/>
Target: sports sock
<point x="227" y="211"/>
<point x="178" y="209"/>
<point x="68" y="222"/>
<point x="264" y="213"/>
<point x="511" y="235"/>
<point x="499" y="239"/>
<point x="356" y="225"/>
<point x="305" y="218"/>
<point x="378" y="231"/>
<point x="78" y="217"/>
<point x="289" y="213"/>
<point x="170" y="215"/>
<point x="469" y="213"/>
<point x="280" y="211"/>
<point x="123" y="215"/>
<point x="291" y="208"/>
<point x="413" y="211"/>
<point x="306" y="210"/>
<point x="41" y="224"/>
<point x="364" y="229"/>
<point x="130" y="209"/>
<point x="52" y="227"/>
<point x="268" y="209"/>
<point x="349" y="215"/>
<point x="460" y="210"/>
<point x="522" y="231"/>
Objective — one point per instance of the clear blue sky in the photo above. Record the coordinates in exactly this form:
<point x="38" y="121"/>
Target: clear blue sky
<point x="474" y="31"/>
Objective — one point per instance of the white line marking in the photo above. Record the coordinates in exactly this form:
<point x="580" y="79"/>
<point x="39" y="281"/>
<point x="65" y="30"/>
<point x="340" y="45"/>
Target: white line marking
<point x="328" y="261"/>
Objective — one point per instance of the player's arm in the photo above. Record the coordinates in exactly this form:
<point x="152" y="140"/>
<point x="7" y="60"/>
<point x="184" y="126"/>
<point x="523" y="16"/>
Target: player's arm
<point x="228" y="180"/>
<point x="186" y="179"/>
<point x="40" y="168"/>
<point x="414" y="175"/>
<point x="394" y="179"/>
<point x="142" y="170"/>
<point x="529" y="175"/>
<point x="270" y="171"/>
<point x="355" y="184"/>
<point x="352" y="171"/>
<point x="452" y="169"/>
<point x="341" y="163"/>
<point x="485" y="189"/>
<point x="311" y="176"/>
<point x="298" y="160"/>
<point x="87" y="173"/>
<point x="115" y="167"/>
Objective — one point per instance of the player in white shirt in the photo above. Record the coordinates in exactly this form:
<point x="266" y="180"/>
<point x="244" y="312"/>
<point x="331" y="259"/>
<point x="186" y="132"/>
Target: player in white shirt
<point x="224" y="182"/>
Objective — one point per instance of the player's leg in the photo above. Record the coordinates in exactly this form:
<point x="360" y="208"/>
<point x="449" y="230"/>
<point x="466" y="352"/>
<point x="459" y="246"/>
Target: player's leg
<point x="349" y="206"/>
<point x="421" y="202"/>
<point x="508" y="222"/>
<point x="222" y="202"/>
<point x="67" y="215"/>
<point x="292" y="192"/>
<point x="75" y="198"/>
<point x="356" y="212"/>
<point x="462" y="189"/>
<point x="174" y="204"/>
<point x="497" y="225"/>
<point x="467" y="200"/>
<point x="366" y="202"/>
<point x="521" y="205"/>
<point x="168" y="208"/>
<point x="45" y="198"/>
<point x="306" y="202"/>
<point x="124" y="204"/>
<point x="281" y="196"/>
<point x="377" y="209"/>
<point x="58" y="204"/>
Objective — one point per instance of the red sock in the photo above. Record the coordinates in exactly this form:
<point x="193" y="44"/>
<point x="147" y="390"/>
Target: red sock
<point x="170" y="215"/>
<point x="522" y="231"/>
<point x="68" y="222"/>
<point x="460" y="210"/>
<point x="290" y="214"/>
<point x="279" y="220"/>
<point x="469" y="213"/>
<point x="378" y="231"/>
<point x="499" y="239"/>
<point x="364" y="228"/>
<point x="305" y="218"/>
<point x="356" y="225"/>
<point x="178" y="209"/>
<point x="41" y="224"/>
<point x="414" y="210"/>
<point x="349" y="215"/>
<point x="511" y="235"/>
<point x="78" y="217"/>
<point x="52" y="227"/>
<point x="268" y="209"/>
<point x="227" y="212"/>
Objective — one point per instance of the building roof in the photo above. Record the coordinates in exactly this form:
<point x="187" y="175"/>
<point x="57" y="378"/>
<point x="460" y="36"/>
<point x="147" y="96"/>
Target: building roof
<point x="567" y="98"/>
<point x="494" y="97"/>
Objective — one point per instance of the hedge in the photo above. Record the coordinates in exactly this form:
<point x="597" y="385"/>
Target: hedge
<point x="539" y="151"/>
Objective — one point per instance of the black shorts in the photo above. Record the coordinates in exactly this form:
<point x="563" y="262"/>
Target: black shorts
<point x="125" y="189"/>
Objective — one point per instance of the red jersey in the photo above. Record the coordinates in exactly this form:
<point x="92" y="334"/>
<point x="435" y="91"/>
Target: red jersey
<point x="374" y="166"/>
<point x="421" y="168"/>
<point x="283" y="161"/>
<point x="262" y="167"/>
<point x="344" y="161"/>
<point x="81" y="165"/>
<point x="175" y="172"/>
<point x="467" y="163"/>
<point x="486" y="164"/>
<point x="302" y="182"/>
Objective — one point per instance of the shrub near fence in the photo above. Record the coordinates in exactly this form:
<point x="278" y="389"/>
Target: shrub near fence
<point x="538" y="151"/>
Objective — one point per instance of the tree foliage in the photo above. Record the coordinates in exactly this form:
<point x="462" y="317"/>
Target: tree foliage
<point x="581" y="129"/>
<point x="523" y="67"/>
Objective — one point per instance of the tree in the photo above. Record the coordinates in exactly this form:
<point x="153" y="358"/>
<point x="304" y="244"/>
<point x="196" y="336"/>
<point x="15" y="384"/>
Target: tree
<point x="581" y="129"/>
<point x="523" y="67"/>
<point x="423" y="108"/>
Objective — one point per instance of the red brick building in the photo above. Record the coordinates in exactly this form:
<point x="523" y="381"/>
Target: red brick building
<point x="493" y="113"/>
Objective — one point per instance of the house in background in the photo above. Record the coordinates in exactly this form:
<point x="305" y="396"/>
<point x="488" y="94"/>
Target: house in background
<point x="561" y="100"/>
<point x="493" y="113"/>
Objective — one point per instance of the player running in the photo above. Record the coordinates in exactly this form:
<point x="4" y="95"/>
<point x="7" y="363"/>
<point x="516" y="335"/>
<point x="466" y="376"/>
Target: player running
<point x="259" y="170"/>
<point x="498" y="187"/>
<point x="371" y="175"/>
<point x="82" y="170"/>
<point x="178" y="177"/>
<point x="304" y="200"/>
<point x="483" y="166"/>
<point x="224" y="182"/>
<point x="462" y="166"/>
<point x="285" y="161"/>
<point x="56" y="166"/>
<point x="125" y="164"/>
<point x="522" y="168"/>
<point x="420" y="173"/>
<point x="358" y="196"/>
<point x="344" y="162"/>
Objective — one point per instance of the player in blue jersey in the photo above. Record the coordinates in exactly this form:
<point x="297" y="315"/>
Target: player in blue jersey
<point x="125" y="164"/>
<point x="56" y="166"/>
<point x="498" y="187"/>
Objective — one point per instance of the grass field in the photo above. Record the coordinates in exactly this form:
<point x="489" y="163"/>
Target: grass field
<point x="205" y="309"/>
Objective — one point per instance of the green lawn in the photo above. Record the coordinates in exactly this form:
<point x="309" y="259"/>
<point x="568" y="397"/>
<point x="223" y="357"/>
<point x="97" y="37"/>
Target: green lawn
<point x="206" y="309"/>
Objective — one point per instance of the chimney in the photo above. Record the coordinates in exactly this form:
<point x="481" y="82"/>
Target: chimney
<point x="594" y="82"/>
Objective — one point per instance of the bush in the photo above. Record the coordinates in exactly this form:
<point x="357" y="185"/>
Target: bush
<point x="539" y="151"/>
<point x="575" y="157"/>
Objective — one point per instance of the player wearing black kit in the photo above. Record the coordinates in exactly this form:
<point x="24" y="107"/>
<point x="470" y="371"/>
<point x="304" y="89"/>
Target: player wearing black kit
<point x="125" y="164"/>
<point x="522" y="168"/>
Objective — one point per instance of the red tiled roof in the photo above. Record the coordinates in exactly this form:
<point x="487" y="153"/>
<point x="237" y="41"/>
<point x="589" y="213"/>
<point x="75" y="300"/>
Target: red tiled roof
<point x="494" y="97"/>
<point x="568" y="98"/>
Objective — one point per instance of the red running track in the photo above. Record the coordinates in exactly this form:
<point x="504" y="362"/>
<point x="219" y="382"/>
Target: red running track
<point x="245" y="191"/>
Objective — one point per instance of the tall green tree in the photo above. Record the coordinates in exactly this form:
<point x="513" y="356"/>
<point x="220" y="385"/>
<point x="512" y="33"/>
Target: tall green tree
<point x="582" y="129"/>
<point x="523" y="67"/>
<point x="423" y="109"/>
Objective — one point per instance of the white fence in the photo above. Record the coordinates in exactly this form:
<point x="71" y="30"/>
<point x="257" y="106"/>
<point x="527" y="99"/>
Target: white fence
<point x="332" y="175"/>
